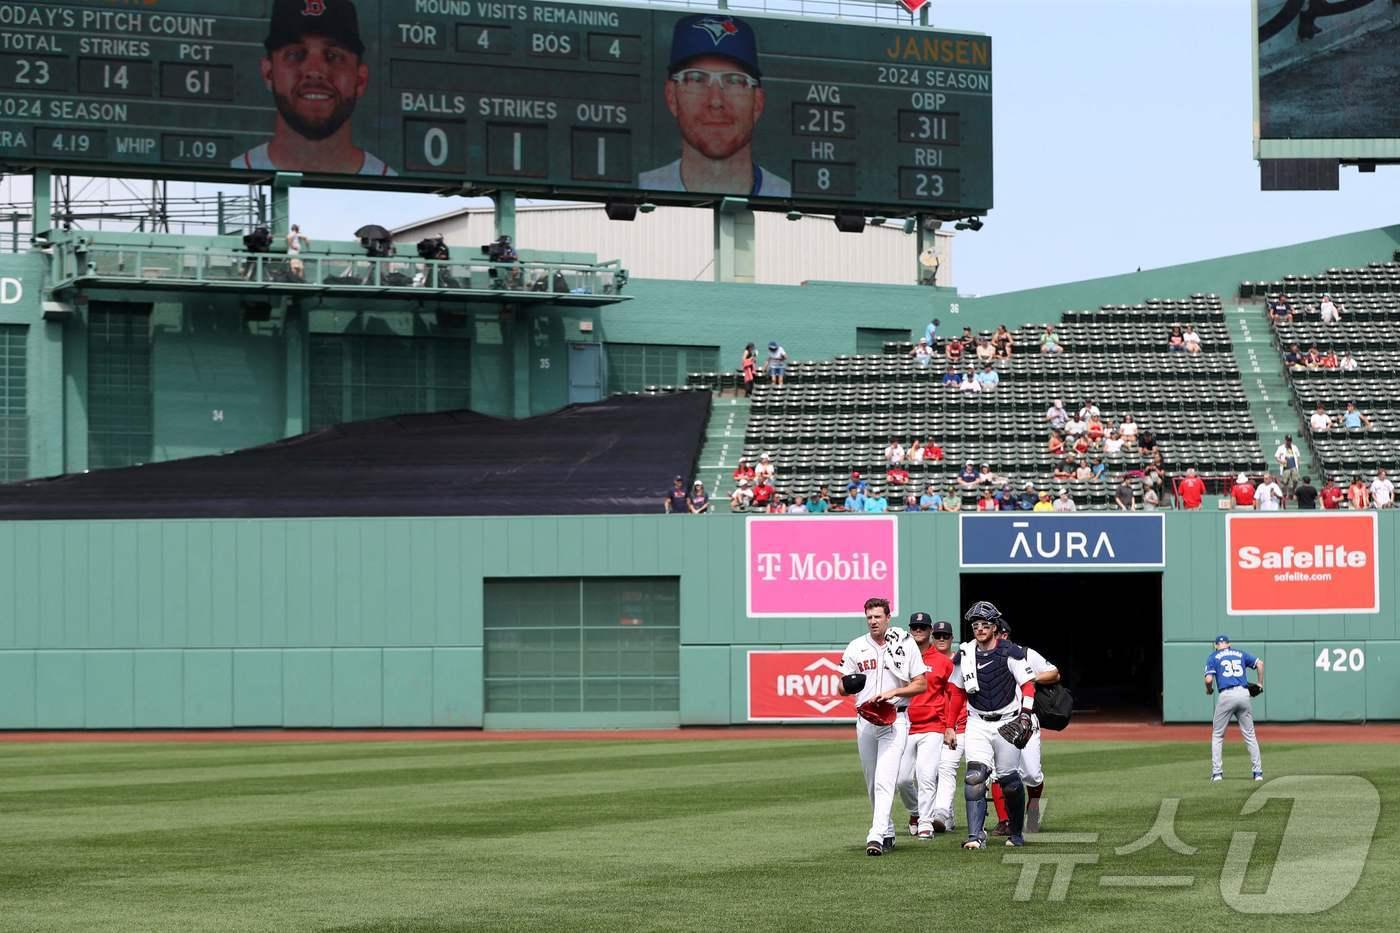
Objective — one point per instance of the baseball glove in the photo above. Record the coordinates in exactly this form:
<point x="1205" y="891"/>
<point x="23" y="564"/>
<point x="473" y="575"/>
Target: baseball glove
<point x="1017" y="731"/>
<point x="879" y="712"/>
<point x="853" y="683"/>
<point x="1254" y="689"/>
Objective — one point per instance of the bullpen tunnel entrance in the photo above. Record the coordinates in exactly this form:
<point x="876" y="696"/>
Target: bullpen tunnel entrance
<point x="1102" y="630"/>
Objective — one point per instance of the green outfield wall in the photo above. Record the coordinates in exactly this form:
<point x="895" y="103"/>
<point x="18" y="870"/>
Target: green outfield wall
<point x="383" y="622"/>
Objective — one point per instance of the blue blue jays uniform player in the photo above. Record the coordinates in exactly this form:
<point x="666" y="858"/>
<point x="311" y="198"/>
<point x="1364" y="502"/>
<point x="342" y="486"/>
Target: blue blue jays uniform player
<point x="1225" y="673"/>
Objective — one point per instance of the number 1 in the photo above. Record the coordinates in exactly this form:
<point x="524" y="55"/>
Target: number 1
<point x="602" y="156"/>
<point x="516" y="157"/>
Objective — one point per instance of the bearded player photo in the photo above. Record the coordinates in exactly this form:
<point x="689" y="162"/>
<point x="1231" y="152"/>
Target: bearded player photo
<point x="315" y="70"/>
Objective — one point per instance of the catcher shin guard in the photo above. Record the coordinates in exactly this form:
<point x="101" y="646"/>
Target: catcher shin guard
<point x="975" y="793"/>
<point x="1014" y="792"/>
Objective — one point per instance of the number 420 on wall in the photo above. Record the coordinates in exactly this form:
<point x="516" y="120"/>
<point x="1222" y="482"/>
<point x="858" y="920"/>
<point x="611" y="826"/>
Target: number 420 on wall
<point x="1340" y="660"/>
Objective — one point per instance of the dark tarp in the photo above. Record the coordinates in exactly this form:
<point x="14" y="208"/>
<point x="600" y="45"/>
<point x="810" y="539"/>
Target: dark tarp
<point x="613" y="456"/>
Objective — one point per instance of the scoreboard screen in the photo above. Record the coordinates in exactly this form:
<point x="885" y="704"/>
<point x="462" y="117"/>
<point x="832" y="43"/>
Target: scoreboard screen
<point x="563" y="99"/>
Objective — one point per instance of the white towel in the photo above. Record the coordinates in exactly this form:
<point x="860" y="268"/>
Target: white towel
<point x="968" y="667"/>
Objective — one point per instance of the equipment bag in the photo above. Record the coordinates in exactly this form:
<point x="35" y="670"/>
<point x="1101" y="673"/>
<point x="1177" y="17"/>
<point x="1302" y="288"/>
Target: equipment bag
<point x="1053" y="705"/>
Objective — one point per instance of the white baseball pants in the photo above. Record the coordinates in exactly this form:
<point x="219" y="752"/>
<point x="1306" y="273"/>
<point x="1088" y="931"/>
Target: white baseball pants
<point x="918" y="774"/>
<point x="1031" y="773"/>
<point x="881" y="750"/>
<point x="948" y="776"/>
<point x="1233" y="702"/>
<point x="985" y="744"/>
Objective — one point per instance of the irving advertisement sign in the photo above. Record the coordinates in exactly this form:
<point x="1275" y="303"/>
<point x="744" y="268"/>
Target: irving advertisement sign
<point x="787" y="685"/>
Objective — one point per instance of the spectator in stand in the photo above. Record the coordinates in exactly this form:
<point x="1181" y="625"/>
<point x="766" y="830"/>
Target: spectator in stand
<point x="932" y="451"/>
<point x="1064" y="470"/>
<point x="777" y="505"/>
<point x="1147" y="443"/>
<point x="1081" y="445"/>
<point x="967" y="476"/>
<point x="1056" y="444"/>
<point x="857" y="483"/>
<point x="931" y="332"/>
<point x="1242" y="492"/>
<point x="1049" y="341"/>
<point x="699" y="500"/>
<point x="1269" y="496"/>
<point x="1353" y="419"/>
<point x="987" y="502"/>
<point x="1043" y="502"/>
<point x="1313" y="358"/>
<point x="951" y="379"/>
<point x="894" y="451"/>
<point x="875" y="502"/>
<point x="897" y="475"/>
<point x="1128" y="430"/>
<point x="1176" y="342"/>
<point x="762" y="493"/>
<point x="1294" y="358"/>
<point x="799" y="506"/>
<point x="749" y="366"/>
<point x="1328" y="310"/>
<point x="930" y="501"/>
<point x="969" y="383"/>
<point x="1358" y="496"/>
<point x="855" y="500"/>
<point x="1191" y="489"/>
<point x="776" y="364"/>
<point x="986" y="350"/>
<point x="986" y="477"/>
<point x="911" y="503"/>
<point x="821" y="502"/>
<point x="1347" y="363"/>
<point x="1280" y="310"/>
<point x="1089" y="410"/>
<point x="1056" y="414"/>
<point x="1098" y="468"/>
<point x="1074" y="427"/>
<point x="1331" y="494"/>
<point x="922" y="353"/>
<point x="1289" y="459"/>
<point x="952" y="501"/>
<point x="953" y="351"/>
<point x="1027" y="500"/>
<point x="743" y="470"/>
<point x="742" y="497"/>
<point x="1329" y="359"/>
<point x="1123" y="496"/>
<point x="1003" y="343"/>
<point x="675" y="502"/>
<point x="1152" y="479"/>
<point x="988" y="378"/>
<point x="1319" y="420"/>
<point x="1063" y="502"/>
<point x="1093" y="429"/>
<point x="1382" y="491"/>
<point x="1306" y="494"/>
<point x="1112" y="444"/>
<point x="1192" y="339"/>
<point x="1083" y="472"/>
<point x="1151" y="499"/>
<point x="969" y="342"/>
<point x="764" y="470"/>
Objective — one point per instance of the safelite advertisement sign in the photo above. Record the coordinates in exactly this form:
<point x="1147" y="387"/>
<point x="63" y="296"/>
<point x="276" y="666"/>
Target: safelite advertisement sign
<point x="786" y="685"/>
<point x="1291" y="564"/>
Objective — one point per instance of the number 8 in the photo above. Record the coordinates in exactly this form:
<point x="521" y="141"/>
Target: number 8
<point x="824" y="178"/>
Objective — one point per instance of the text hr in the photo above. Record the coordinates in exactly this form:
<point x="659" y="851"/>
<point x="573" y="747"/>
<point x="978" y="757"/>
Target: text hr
<point x="860" y="567"/>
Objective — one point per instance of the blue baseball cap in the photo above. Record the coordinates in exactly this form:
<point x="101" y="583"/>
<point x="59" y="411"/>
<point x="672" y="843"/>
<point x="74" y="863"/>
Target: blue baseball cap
<point x="294" y="19"/>
<point x="1220" y="638"/>
<point x="712" y="34"/>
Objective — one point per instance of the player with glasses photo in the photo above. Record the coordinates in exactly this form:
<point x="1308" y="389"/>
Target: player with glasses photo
<point x="716" y="108"/>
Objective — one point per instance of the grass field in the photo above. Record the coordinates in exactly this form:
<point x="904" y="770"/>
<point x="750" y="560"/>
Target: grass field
<point x="659" y="835"/>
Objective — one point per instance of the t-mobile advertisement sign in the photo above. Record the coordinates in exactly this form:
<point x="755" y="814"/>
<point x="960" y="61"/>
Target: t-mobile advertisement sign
<point x="1288" y="563"/>
<point x="820" y="567"/>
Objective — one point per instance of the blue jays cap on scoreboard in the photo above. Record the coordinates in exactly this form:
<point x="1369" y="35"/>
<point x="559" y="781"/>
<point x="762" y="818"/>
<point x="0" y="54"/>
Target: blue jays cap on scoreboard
<point x="545" y="98"/>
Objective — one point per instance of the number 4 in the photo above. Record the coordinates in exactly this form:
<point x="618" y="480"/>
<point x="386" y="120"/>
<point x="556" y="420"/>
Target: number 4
<point x="615" y="50"/>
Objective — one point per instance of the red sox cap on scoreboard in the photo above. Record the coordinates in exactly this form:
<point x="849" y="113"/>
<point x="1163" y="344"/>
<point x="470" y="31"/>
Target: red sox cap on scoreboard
<point x="711" y="34"/>
<point x="334" y="19"/>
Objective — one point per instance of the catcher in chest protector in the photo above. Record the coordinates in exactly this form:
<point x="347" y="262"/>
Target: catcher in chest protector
<point x="882" y="669"/>
<point x="998" y="689"/>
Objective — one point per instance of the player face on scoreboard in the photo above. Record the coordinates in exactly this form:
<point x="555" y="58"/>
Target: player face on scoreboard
<point x="316" y="83"/>
<point x="716" y="105"/>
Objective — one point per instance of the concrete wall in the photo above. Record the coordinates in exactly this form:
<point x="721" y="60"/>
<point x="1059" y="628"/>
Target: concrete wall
<point x="368" y="622"/>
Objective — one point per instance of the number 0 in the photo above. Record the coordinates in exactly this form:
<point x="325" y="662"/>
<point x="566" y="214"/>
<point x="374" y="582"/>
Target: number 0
<point x="435" y="146"/>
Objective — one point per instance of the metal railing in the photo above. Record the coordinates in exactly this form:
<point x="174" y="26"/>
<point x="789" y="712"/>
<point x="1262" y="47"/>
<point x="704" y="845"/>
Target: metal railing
<point x="163" y="266"/>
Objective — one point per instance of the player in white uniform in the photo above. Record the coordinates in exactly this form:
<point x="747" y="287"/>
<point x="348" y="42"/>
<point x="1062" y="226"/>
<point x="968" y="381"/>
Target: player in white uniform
<point x="1032" y="775"/>
<point x="992" y="686"/>
<point x="883" y="664"/>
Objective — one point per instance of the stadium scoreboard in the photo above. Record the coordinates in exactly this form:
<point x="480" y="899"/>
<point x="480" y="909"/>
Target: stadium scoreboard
<point x="546" y="98"/>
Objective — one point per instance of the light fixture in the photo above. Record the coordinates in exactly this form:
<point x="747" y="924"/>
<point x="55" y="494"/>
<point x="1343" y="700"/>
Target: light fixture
<point x="975" y="223"/>
<point x="794" y="215"/>
<point x="646" y="207"/>
<point x="848" y="222"/>
<point x="877" y="221"/>
<point x="620" y="210"/>
<point x="910" y="225"/>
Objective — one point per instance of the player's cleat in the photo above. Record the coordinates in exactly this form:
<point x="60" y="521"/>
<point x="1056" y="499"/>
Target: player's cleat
<point x="913" y="824"/>
<point x="1016" y="841"/>
<point x="975" y="842"/>
<point x="1258" y="775"/>
<point x="1003" y="828"/>
<point x="925" y="834"/>
<point x="941" y="822"/>
<point x="1217" y="776"/>
<point x="874" y="848"/>
<point x="1033" y="816"/>
<point x="888" y="844"/>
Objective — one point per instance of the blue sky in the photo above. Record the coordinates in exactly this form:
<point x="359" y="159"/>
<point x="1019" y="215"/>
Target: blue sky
<point x="1122" y="139"/>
